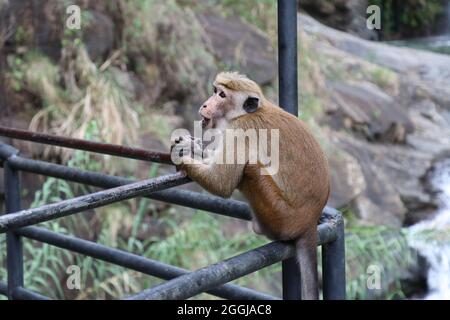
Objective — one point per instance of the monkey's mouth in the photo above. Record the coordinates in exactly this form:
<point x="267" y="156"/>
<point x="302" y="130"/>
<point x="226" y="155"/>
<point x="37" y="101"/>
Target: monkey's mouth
<point x="205" y="122"/>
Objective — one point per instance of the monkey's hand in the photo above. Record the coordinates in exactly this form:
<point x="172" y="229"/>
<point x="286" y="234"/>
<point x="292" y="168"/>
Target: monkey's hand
<point x="186" y="150"/>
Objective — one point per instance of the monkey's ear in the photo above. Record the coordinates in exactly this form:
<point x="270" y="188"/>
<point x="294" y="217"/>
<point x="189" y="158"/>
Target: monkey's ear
<point x="251" y="104"/>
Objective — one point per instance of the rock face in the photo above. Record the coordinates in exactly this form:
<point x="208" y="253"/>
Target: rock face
<point x="238" y="43"/>
<point x="40" y="24"/>
<point x="390" y="134"/>
<point x="98" y="35"/>
<point x="367" y="109"/>
<point x="346" y="15"/>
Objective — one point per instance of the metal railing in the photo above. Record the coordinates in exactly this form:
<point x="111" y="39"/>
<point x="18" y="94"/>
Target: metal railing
<point x="181" y="284"/>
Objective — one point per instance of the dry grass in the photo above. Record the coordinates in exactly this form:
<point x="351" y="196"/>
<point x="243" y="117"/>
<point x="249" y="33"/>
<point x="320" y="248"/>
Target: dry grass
<point x="174" y="41"/>
<point x="89" y="94"/>
<point x="162" y="43"/>
<point x="312" y="79"/>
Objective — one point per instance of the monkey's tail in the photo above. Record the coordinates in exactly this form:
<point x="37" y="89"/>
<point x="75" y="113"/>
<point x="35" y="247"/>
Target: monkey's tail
<point x="306" y="247"/>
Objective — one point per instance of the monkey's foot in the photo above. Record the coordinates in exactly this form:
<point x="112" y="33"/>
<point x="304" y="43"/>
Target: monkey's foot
<point x="256" y="228"/>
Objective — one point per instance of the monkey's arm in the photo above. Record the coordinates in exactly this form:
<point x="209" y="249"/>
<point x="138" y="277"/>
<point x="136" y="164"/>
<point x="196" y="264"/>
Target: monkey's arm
<point x="211" y="172"/>
<point x="219" y="179"/>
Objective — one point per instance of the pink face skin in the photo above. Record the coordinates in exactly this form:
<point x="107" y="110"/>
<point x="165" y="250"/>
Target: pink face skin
<point x="216" y="107"/>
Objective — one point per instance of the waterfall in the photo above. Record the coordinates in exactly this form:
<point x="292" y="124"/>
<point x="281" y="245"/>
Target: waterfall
<point x="431" y="238"/>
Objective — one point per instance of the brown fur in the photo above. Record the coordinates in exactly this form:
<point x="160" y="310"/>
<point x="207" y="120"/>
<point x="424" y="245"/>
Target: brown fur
<point x="288" y="204"/>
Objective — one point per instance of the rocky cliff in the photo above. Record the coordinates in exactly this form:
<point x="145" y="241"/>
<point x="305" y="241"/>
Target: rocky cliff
<point x="386" y="114"/>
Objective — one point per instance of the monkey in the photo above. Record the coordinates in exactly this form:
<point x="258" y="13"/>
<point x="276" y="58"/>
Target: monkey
<point x="287" y="204"/>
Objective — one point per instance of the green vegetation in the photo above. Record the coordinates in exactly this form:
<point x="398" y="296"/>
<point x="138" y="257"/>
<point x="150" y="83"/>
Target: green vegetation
<point x="90" y="94"/>
<point x="408" y="17"/>
<point x="383" y="77"/>
<point x="182" y="238"/>
<point x="85" y="99"/>
<point x="189" y="243"/>
<point x="311" y="81"/>
<point x="386" y="249"/>
<point x="376" y="247"/>
<point x="260" y="13"/>
<point x="188" y="65"/>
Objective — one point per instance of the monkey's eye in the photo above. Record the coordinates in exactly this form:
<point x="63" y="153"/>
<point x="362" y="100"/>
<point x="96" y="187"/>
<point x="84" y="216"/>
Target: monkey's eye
<point x="215" y="90"/>
<point x="222" y="94"/>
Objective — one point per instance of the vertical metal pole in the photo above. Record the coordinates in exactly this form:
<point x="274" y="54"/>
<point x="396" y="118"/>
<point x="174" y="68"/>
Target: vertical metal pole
<point x="291" y="279"/>
<point x="287" y="55"/>
<point x="13" y="241"/>
<point x="333" y="266"/>
<point x="287" y="73"/>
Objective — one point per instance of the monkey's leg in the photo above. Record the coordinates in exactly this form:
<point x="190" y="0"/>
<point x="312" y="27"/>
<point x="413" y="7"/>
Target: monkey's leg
<point x="256" y="228"/>
<point x="307" y="258"/>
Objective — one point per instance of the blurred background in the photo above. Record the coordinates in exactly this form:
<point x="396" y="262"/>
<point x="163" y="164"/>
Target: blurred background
<point x="377" y="100"/>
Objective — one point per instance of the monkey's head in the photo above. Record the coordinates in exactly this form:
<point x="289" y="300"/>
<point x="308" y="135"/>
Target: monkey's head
<point x="234" y="95"/>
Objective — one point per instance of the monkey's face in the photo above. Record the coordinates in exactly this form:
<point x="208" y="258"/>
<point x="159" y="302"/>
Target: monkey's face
<point x="226" y="104"/>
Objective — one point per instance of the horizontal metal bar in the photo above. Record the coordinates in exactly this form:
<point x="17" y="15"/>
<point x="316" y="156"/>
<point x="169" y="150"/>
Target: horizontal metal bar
<point x="231" y="208"/>
<point x="7" y="151"/>
<point x="86" y="145"/>
<point x="21" y="293"/>
<point x="63" y="208"/>
<point x="211" y="276"/>
<point x="227" y="207"/>
<point x="204" y="279"/>
<point x="133" y="261"/>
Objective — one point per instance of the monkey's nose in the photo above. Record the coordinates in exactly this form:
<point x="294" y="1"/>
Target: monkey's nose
<point x="200" y="110"/>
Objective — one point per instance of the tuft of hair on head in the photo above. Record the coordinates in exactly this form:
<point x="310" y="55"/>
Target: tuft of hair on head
<point x="239" y="82"/>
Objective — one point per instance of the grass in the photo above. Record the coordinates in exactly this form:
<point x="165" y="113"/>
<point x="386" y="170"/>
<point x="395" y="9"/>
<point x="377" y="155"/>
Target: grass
<point x="384" y="248"/>
<point x="376" y="247"/>
<point x="191" y="244"/>
<point x="260" y="13"/>
<point x="186" y="66"/>
<point x="188" y="240"/>
<point x="176" y="236"/>
<point x="90" y="94"/>
<point x="383" y="77"/>
<point x="180" y="237"/>
<point x="76" y="91"/>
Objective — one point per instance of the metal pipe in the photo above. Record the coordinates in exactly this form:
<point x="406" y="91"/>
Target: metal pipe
<point x="326" y="230"/>
<point x="287" y="55"/>
<point x="333" y="265"/>
<point x="288" y="95"/>
<point x="195" y="200"/>
<point x="228" y="207"/>
<point x="7" y="151"/>
<point x="204" y="279"/>
<point x="133" y="261"/>
<point x="79" y="144"/>
<point x="217" y="274"/>
<point x="90" y="201"/>
<point x="21" y="293"/>
<point x="14" y="250"/>
<point x="231" y="208"/>
<point x="291" y="279"/>
<point x="3" y="288"/>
